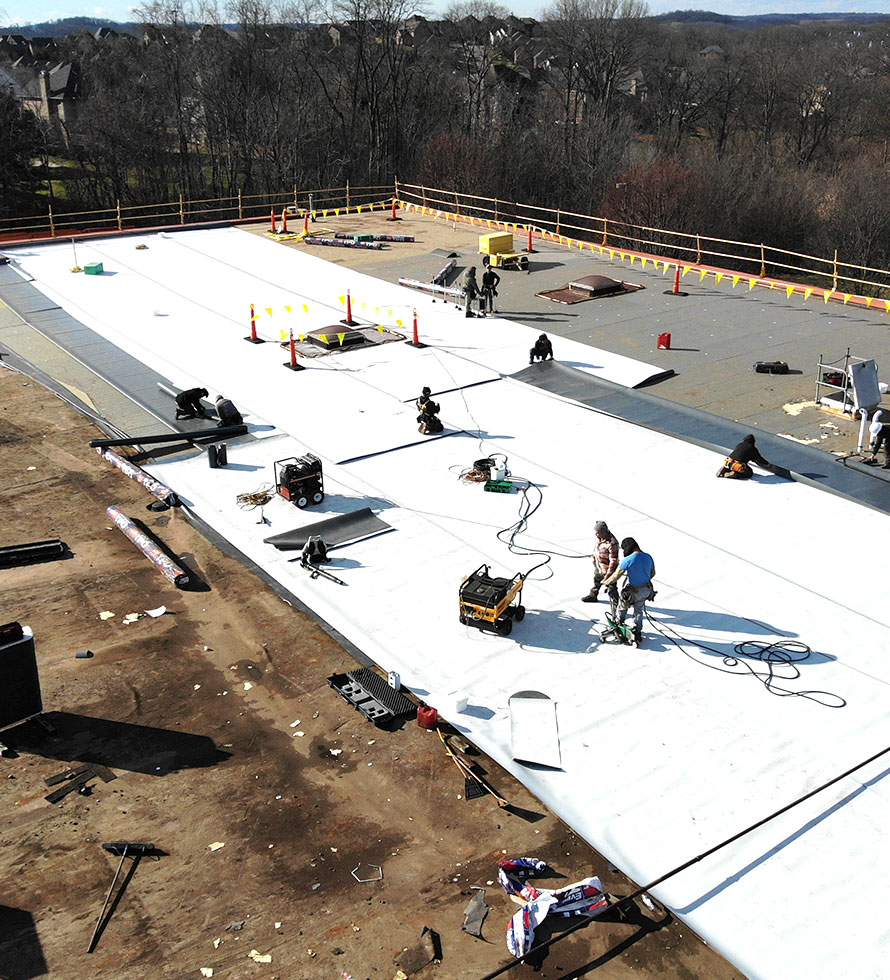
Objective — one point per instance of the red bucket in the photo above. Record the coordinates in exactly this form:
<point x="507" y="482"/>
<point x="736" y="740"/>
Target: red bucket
<point x="427" y="717"/>
<point x="664" y="341"/>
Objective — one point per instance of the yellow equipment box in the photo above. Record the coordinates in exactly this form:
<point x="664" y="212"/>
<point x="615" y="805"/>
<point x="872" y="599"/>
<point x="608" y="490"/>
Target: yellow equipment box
<point x="499" y="241"/>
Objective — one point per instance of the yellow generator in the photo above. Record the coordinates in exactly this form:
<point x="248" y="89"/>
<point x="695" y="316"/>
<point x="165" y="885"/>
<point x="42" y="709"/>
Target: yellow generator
<point x="497" y="251"/>
<point x="486" y="601"/>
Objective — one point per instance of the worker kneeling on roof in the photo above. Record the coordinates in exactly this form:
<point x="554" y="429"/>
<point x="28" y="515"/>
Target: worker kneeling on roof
<point x="227" y="413"/>
<point x="188" y="404"/>
<point x="736" y="466"/>
<point x="430" y="423"/>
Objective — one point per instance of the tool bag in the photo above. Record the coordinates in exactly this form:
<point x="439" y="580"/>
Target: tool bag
<point x="771" y="367"/>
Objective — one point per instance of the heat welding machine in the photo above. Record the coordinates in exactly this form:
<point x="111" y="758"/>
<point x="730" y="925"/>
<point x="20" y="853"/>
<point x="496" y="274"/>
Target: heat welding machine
<point x="299" y="480"/>
<point x="486" y="601"/>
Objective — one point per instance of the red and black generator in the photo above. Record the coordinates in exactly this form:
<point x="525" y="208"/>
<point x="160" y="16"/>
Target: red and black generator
<point x="299" y="480"/>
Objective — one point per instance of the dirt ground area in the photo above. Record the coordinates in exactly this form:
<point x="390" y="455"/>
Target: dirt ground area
<point x="260" y="788"/>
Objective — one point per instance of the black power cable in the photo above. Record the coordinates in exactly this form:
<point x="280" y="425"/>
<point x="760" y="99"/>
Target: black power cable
<point x="779" y="660"/>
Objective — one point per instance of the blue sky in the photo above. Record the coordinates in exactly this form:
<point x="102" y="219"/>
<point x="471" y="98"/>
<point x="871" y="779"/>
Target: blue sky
<point x="29" y="11"/>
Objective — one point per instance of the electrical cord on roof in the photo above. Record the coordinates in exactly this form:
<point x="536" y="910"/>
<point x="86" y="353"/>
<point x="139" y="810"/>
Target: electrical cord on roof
<point x="783" y="654"/>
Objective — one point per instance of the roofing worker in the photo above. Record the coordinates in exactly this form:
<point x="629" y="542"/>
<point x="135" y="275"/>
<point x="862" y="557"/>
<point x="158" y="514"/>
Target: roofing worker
<point x="471" y="288"/>
<point x="188" y="404"/>
<point x="429" y="412"/>
<point x="605" y="562"/>
<point x="737" y="463"/>
<point x="490" y="281"/>
<point x="879" y="431"/>
<point x="640" y="570"/>
<point x="542" y="349"/>
<point x="227" y="413"/>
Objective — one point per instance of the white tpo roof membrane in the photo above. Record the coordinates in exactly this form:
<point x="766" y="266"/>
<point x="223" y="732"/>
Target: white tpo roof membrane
<point x="662" y="756"/>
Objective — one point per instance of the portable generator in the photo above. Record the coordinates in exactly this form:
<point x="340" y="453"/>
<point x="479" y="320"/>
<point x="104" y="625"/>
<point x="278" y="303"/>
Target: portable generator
<point x="299" y="480"/>
<point x="486" y="601"/>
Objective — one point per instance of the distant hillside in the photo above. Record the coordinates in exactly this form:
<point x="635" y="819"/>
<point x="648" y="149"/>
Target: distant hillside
<point x="69" y="25"/>
<point x="764" y="20"/>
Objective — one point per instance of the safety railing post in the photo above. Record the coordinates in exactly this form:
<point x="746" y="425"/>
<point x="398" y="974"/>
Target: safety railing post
<point x="605" y="231"/>
<point x="762" y="261"/>
<point x="697" y="250"/>
<point x="834" y="273"/>
<point x="181" y="210"/>
<point x="347" y="195"/>
<point x="240" y="205"/>
<point x="52" y="226"/>
<point x="118" y="208"/>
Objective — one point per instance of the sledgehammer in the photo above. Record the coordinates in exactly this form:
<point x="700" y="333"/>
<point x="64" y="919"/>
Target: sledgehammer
<point x="122" y="847"/>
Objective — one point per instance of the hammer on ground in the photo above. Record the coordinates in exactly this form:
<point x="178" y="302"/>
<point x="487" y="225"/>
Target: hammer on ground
<point x="124" y="848"/>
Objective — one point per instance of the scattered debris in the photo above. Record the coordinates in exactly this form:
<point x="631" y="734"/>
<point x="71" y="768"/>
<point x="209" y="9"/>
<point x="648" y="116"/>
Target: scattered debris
<point x="336" y="752"/>
<point x="206" y="971"/>
<point x="475" y="913"/>
<point x="105" y="615"/>
<point x="259" y="957"/>
<point x="197" y="687"/>
<point x="278" y="925"/>
<point x="217" y="943"/>
<point x="78" y="779"/>
<point x="427" y="950"/>
<point x="235" y="925"/>
<point x="131" y="618"/>
<point x="83" y="654"/>
<point x="216" y="845"/>
<point x="247" y="686"/>
<point x="298" y="734"/>
<point x="154" y="613"/>
<point x="802" y="442"/>
<point x="378" y="878"/>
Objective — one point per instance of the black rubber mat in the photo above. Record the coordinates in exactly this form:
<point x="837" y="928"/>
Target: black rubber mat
<point x="793" y="460"/>
<point x="334" y="531"/>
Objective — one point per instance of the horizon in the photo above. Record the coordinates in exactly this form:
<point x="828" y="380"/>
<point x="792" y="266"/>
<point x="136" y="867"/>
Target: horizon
<point x="14" y="13"/>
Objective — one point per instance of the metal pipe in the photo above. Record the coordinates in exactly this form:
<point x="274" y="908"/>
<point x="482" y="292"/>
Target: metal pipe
<point x="222" y="432"/>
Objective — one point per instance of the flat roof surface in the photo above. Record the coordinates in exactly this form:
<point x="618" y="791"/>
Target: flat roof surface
<point x="665" y="751"/>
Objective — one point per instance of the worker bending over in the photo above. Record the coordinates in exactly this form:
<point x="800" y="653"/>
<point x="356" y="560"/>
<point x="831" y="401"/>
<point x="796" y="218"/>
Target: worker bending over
<point x="879" y="431"/>
<point x="188" y="404"/>
<point x="736" y="466"/>
<point x="640" y="570"/>
<point x="542" y="350"/>
<point x="227" y="413"/>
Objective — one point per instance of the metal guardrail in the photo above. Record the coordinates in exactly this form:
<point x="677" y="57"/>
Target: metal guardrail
<point x="239" y="207"/>
<point x="748" y="258"/>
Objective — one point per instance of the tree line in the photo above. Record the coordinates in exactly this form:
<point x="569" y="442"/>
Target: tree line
<point x="774" y="134"/>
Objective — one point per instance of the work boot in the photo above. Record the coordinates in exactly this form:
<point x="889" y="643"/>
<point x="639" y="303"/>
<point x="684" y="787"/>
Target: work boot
<point x="592" y="596"/>
<point x="638" y="637"/>
<point x="721" y="471"/>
